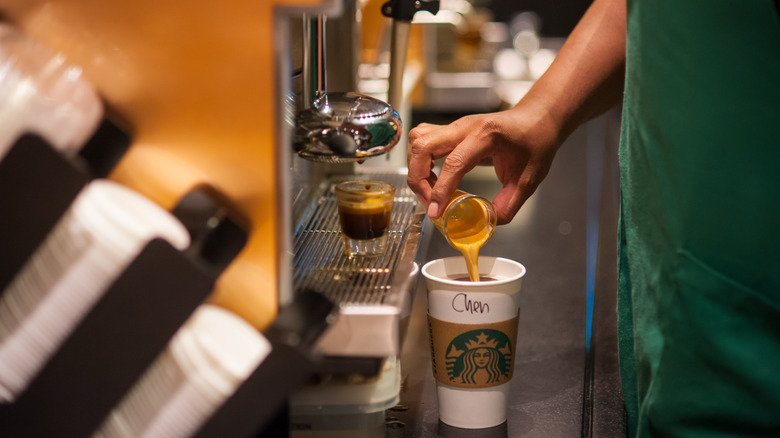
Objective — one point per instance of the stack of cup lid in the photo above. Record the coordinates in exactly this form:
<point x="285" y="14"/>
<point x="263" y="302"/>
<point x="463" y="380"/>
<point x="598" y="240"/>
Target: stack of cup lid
<point x="41" y="92"/>
<point x="102" y="232"/>
<point x="208" y="358"/>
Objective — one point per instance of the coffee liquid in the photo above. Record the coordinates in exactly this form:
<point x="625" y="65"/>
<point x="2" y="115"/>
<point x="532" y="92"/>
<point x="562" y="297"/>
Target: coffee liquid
<point x="481" y="278"/>
<point x="364" y="223"/>
<point x="468" y="231"/>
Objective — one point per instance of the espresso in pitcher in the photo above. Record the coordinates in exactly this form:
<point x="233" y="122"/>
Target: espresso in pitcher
<point x="467" y="223"/>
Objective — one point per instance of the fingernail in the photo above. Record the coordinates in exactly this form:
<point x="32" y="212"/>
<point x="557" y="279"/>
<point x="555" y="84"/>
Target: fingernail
<point x="433" y="210"/>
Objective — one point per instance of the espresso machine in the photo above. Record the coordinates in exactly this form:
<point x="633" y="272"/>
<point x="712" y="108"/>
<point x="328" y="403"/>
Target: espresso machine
<point x="363" y="372"/>
<point x="240" y="118"/>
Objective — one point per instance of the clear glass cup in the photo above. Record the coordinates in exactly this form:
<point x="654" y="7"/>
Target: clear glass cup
<point x="467" y="223"/>
<point x="467" y="219"/>
<point x="364" y="213"/>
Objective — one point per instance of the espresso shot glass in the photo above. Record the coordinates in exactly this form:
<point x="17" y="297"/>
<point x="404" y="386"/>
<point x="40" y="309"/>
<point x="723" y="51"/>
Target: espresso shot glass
<point x="364" y="214"/>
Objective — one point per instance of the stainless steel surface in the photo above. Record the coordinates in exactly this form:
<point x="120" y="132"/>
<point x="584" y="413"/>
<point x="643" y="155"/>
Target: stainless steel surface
<point x="373" y="293"/>
<point x="344" y="42"/>
<point x="346" y="127"/>
<point x="340" y="127"/>
<point x="319" y="31"/>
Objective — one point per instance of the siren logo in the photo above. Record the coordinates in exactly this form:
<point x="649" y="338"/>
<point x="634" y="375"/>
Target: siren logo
<point x="480" y="358"/>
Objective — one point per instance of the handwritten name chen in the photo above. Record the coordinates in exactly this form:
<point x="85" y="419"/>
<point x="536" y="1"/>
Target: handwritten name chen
<point x="462" y="303"/>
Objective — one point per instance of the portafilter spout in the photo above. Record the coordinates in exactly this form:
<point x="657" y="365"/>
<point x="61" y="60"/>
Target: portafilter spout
<point x="345" y="127"/>
<point x="341" y="127"/>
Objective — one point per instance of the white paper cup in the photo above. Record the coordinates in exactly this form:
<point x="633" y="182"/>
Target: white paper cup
<point x="207" y="360"/>
<point x="473" y="335"/>
<point x="100" y="234"/>
<point x="41" y="92"/>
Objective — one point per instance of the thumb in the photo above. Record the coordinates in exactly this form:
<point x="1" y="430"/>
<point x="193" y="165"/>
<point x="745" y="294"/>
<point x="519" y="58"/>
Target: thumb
<point x="507" y="203"/>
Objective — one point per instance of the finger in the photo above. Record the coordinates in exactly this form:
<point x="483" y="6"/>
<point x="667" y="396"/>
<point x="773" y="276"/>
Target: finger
<point x="420" y="177"/>
<point x="507" y="203"/>
<point x="427" y="143"/>
<point x="446" y="184"/>
<point x="439" y="139"/>
<point x="422" y="129"/>
<point x="424" y="196"/>
<point x="463" y="158"/>
<point x="432" y="141"/>
<point x="422" y="188"/>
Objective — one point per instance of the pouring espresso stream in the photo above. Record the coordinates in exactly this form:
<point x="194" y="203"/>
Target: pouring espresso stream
<point x="467" y="223"/>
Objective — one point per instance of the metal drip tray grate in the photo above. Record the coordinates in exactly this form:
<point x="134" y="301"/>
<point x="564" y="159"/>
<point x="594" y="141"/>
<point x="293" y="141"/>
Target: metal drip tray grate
<point x="370" y="291"/>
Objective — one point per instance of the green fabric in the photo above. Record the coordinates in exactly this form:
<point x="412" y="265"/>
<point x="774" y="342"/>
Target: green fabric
<point x="699" y="237"/>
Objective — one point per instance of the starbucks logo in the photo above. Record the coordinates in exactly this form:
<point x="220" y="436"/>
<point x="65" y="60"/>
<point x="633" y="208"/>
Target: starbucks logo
<point x="479" y="357"/>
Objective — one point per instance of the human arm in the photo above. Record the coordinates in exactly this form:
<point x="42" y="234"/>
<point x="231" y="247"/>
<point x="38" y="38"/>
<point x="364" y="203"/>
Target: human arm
<point x="585" y="80"/>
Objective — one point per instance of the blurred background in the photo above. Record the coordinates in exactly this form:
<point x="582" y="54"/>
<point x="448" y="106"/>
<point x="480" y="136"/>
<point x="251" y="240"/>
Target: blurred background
<point x="558" y="17"/>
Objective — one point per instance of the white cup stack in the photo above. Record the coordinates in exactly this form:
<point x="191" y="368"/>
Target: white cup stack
<point x="101" y="233"/>
<point x="205" y="362"/>
<point x="41" y="92"/>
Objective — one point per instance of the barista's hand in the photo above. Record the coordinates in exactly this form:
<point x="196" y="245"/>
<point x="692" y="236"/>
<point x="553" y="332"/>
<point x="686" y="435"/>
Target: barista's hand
<point x="520" y="143"/>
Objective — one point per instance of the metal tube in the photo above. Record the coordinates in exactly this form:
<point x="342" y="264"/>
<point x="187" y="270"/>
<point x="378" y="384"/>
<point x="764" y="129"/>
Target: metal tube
<point x="321" y="66"/>
<point x="398" y="47"/>
<point x="306" y="71"/>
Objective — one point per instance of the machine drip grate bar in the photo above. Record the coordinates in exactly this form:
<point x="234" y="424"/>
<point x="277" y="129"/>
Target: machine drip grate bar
<point x="320" y="262"/>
